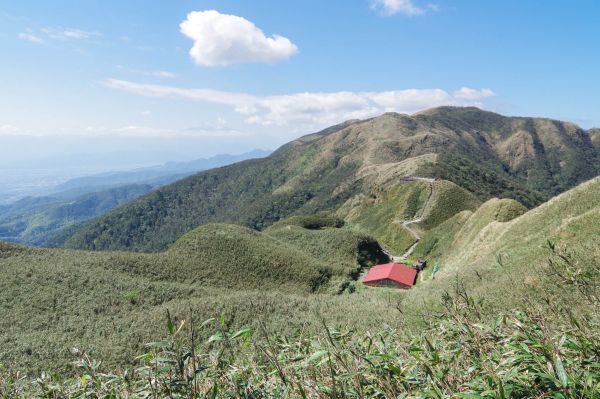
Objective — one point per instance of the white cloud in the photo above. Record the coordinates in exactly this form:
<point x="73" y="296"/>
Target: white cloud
<point x="40" y="36"/>
<point x="31" y="38"/>
<point x="146" y="113"/>
<point x="392" y="7"/>
<point x="163" y="74"/>
<point x="77" y="34"/>
<point x="147" y="131"/>
<point x="466" y="93"/>
<point x="155" y="74"/>
<point x="313" y="110"/>
<point x="221" y="39"/>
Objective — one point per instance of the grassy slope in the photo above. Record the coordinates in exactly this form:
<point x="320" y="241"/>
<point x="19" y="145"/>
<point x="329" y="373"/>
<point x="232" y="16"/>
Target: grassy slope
<point x="381" y="214"/>
<point x="376" y="214"/>
<point x="504" y="262"/>
<point x="111" y="303"/>
<point x="346" y="252"/>
<point x="447" y="200"/>
<point x="523" y="158"/>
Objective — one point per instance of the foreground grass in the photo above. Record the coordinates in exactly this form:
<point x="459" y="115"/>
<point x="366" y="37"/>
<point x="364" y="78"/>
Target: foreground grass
<point x="519" y="354"/>
<point x="111" y="303"/>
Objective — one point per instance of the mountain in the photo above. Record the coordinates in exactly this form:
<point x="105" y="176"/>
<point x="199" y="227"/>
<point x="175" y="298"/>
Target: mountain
<point x="155" y="175"/>
<point x="595" y="137"/>
<point x="34" y="220"/>
<point x="487" y="154"/>
<point x="287" y="282"/>
<point x="46" y="220"/>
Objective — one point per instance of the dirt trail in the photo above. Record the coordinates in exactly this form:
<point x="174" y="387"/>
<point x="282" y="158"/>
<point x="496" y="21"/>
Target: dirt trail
<point x="405" y="224"/>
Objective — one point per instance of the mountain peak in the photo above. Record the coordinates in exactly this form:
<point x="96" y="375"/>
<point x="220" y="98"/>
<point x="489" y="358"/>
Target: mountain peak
<point x="456" y="111"/>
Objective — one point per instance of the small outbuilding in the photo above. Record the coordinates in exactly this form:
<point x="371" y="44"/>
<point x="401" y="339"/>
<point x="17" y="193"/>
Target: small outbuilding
<point x="392" y="275"/>
<point x="420" y="264"/>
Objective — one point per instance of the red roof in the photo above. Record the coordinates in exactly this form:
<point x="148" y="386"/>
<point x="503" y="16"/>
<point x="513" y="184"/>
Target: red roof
<point x="392" y="271"/>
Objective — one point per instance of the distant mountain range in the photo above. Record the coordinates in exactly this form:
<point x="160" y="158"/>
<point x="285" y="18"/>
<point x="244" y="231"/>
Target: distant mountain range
<point x="489" y="155"/>
<point x="35" y="220"/>
<point x="153" y="175"/>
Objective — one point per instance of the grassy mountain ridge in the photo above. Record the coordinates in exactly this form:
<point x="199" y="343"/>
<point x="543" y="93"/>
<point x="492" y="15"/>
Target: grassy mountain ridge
<point x="381" y="214"/>
<point x="500" y="246"/>
<point x="528" y="159"/>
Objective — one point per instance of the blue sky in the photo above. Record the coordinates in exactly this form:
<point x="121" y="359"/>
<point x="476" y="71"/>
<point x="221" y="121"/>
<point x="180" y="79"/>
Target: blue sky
<point x="107" y="74"/>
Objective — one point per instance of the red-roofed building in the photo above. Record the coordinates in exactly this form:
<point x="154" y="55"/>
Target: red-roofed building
<point x="394" y="275"/>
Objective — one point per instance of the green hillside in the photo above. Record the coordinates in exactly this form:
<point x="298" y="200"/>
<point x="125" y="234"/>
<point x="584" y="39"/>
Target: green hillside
<point x="503" y="257"/>
<point x="111" y="303"/>
<point x="595" y="138"/>
<point x="381" y="214"/>
<point x="36" y="220"/>
<point x="527" y="159"/>
<point x="346" y="252"/>
<point x="285" y="280"/>
<point x="461" y="229"/>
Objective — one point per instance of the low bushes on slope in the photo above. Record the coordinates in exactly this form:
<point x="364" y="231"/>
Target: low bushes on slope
<point x="461" y="229"/>
<point x="447" y="200"/>
<point x="381" y="215"/>
<point x="518" y="354"/>
<point x="231" y="256"/>
<point x="111" y="303"/>
<point x="505" y="262"/>
<point x="311" y="222"/>
<point x="345" y="251"/>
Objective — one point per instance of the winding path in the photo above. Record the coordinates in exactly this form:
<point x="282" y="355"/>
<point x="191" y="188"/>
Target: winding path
<point x="405" y="224"/>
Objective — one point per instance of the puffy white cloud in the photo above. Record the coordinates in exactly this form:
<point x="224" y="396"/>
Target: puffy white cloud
<point x="312" y="110"/>
<point x="466" y="93"/>
<point x="31" y="38"/>
<point x="391" y="7"/>
<point x="221" y="39"/>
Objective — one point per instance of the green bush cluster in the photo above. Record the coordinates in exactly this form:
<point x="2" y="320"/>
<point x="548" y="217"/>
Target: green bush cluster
<point x="311" y="222"/>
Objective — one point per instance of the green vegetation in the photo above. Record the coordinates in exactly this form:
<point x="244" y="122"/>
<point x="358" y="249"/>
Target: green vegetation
<point x="381" y="215"/>
<point x="512" y="312"/>
<point x="446" y="201"/>
<point x="312" y="222"/>
<point x="346" y="252"/>
<point x="518" y="354"/>
<point x="285" y="280"/>
<point x="111" y="303"/>
<point x="526" y="159"/>
<point x="595" y="138"/>
<point x="493" y="257"/>
<point x="36" y="220"/>
<point x="481" y="179"/>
